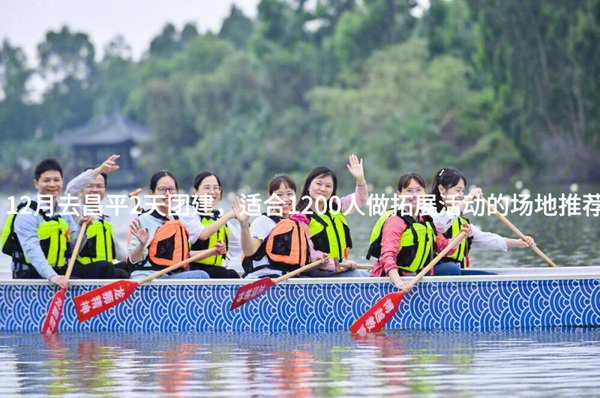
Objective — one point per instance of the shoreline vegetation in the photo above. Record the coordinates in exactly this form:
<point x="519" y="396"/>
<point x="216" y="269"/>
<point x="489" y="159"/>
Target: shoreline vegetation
<point x="504" y="91"/>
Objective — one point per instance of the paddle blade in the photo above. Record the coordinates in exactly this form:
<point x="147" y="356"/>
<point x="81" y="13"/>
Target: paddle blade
<point x="378" y="315"/>
<point x="251" y="291"/>
<point x="50" y="325"/>
<point x="94" y="302"/>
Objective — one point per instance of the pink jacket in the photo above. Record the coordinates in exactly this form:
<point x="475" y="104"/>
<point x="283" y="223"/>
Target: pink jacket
<point x="392" y="232"/>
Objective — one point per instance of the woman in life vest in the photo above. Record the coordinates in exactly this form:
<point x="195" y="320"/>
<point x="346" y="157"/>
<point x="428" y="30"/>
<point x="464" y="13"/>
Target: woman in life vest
<point x="99" y="247"/>
<point x="158" y="238"/>
<point x="214" y="227"/>
<point x="448" y="187"/>
<point x="403" y="239"/>
<point x="328" y="227"/>
<point x="274" y="245"/>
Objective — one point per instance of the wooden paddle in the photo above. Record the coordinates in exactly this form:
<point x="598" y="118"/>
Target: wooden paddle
<point x="379" y="314"/>
<point x="252" y="290"/>
<point x="135" y="193"/>
<point x="50" y="325"/>
<point x="96" y="301"/>
<point x="138" y="203"/>
<point x="520" y="234"/>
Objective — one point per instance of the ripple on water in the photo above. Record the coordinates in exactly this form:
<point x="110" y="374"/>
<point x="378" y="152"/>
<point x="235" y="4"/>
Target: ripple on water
<point x="550" y="362"/>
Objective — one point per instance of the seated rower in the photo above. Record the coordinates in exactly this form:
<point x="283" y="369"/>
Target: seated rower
<point x="449" y="186"/>
<point x="100" y="248"/>
<point x="273" y="245"/>
<point x="159" y="239"/>
<point x="213" y="226"/>
<point x="38" y="237"/>
<point x="404" y="240"/>
<point x="328" y="227"/>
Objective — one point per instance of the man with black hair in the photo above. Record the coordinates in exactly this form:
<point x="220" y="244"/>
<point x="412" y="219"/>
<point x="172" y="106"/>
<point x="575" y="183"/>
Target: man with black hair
<point x="38" y="237"/>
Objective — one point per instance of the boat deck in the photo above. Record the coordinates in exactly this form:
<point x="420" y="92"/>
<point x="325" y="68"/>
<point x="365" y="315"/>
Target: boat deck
<point x="515" y="298"/>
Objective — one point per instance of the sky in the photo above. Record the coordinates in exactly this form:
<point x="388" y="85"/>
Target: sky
<point x="24" y="23"/>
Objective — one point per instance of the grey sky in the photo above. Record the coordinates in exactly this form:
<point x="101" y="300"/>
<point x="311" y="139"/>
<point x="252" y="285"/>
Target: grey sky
<point x="25" y="22"/>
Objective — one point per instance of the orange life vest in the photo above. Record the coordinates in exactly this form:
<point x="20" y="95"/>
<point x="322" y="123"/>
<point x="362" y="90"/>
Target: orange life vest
<point x="170" y="243"/>
<point x="286" y="247"/>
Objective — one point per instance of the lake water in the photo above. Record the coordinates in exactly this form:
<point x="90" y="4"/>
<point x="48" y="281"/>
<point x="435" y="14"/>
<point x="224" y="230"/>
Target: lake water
<point x="538" y="363"/>
<point x="553" y="362"/>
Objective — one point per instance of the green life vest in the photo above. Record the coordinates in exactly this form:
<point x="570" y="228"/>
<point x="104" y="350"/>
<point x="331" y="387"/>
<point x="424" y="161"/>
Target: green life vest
<point x="330" y="234"/>
<point x="99" y="245"/>
<point x="53" y="233"/>
<point x="221" y="235"/>
<point x="417" y="243"/>
<point x="464" y="247"/>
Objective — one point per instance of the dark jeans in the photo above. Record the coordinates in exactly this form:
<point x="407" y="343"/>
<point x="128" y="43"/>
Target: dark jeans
<point x="452" y="268"/>
<point x="215" y="271"/>
<point x="97" y="270"/>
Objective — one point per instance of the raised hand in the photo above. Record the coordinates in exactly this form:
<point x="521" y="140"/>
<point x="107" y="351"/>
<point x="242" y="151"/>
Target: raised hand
<point x="239" y="210"/>
<point x="139" y="232"/>
<point x="355" y="167"/>
<point x="108" y="166"/>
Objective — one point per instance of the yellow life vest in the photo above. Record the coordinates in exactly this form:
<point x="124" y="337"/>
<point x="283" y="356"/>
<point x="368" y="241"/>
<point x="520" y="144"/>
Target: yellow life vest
<point x="53" y="233"/>
<point x="464" y="247"/>
<point x="330" y="234"/>
<point x="99" y="245"/>
<point x="417" y="243"/>
<point x="222" y="235"/>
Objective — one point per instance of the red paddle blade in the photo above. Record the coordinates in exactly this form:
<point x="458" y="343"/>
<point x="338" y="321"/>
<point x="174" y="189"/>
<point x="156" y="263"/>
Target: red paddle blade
<point x="50" y="325"/>
<point x="378" y="315"/>
<point x="251" y="291"/>
<point x="94" y="302"/>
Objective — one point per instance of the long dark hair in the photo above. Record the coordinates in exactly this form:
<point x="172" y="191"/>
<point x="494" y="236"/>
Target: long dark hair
<point x="447" y="177"/>
<point x="158" y="175"/>
<point x="317" y="172"/>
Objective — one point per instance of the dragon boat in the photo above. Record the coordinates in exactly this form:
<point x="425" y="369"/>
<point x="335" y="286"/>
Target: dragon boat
<point x="513" y="298"/>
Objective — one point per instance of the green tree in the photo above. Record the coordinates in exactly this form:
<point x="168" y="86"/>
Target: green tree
<point x="237" y="28"/>
<point x="69" y="71"/>
<point x="117" y="77"/>
<point x="542" y="59"/>
<point x="17" y="117"/>
<point x="412" y="112"/>
<point x="165" y="44"/>
<point x="376" y="24"/>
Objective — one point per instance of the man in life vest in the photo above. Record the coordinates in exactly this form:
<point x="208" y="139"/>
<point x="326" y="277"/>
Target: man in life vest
<point x="100" y="248"/>
<point x="37" y="237"/>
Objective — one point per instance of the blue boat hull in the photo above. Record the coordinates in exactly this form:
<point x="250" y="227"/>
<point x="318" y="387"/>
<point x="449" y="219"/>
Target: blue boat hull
<point x="482" y="303"/>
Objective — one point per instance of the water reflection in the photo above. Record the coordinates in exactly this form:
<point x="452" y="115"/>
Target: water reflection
<point x="404" y="363"/>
